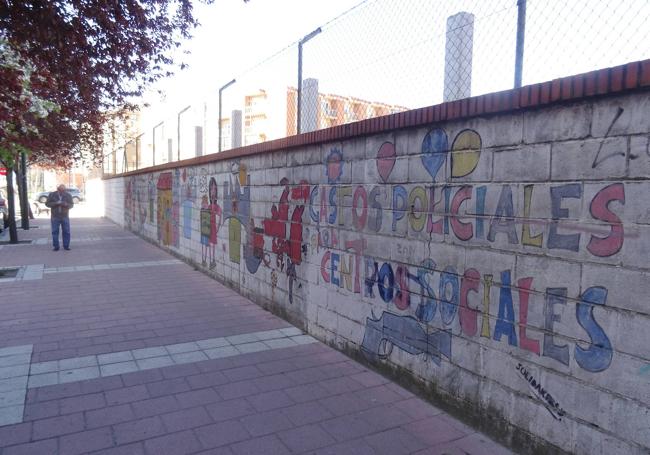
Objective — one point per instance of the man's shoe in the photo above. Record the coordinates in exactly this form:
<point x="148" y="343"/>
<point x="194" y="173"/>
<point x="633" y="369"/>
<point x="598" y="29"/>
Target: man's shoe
<point x="66" y="248"/>
<point x="55" y="249"/>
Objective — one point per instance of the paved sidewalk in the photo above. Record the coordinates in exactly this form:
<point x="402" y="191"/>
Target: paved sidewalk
<point x="115" y="347"/>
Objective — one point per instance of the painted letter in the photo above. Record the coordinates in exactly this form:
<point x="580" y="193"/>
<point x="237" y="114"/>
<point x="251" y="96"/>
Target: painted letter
<point x="342" y="193"/>
<point x="374" y="223"/>
<point x="324" y="266"/>
<point x="569" y="242"/>
<point x="448" y="307"/>
<point x="386" y="292"/>
<point x="332" y="217"/>
<point x="485" y="324"/>
<point x="504" y="218"/>
<point x="426" y="310"/>
<point x="506" y="320"/>
<point x="554" y="296"/>
<point x="312" y="213"/>
<point x="524" y="285"/>
<point x="599" y="208"/>
<point x="399" y="204"/>
<point x="480" y="210"/>
<point x="417" y="214"/>
<point x="526" y="238"/>
<point x="334" y="262"/>
<point x="598" y="356"/>
<point x="359" y="221"/>
<point x="463" y="231"/>
<point x="468" y="316"/>
<point x="403" y="296"/>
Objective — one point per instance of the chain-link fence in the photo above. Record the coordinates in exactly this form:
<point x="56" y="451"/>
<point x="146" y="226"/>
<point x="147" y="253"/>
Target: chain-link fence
<point x="384" y="56"/>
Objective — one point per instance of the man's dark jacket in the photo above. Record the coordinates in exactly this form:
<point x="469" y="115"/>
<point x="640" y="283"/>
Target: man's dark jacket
<point x="59" y="211"/>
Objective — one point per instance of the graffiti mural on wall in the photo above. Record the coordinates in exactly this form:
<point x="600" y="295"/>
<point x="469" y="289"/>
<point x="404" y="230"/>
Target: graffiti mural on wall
<point x="422" y="304"/>
<point x="437" y="210"/>
<point x="135" y="203"/>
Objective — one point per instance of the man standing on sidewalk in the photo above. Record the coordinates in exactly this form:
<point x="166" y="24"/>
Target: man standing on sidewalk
<point x="60" y="202"/>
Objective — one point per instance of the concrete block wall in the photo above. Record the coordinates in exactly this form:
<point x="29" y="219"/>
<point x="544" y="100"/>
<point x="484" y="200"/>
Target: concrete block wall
<point x="498" y="257"/>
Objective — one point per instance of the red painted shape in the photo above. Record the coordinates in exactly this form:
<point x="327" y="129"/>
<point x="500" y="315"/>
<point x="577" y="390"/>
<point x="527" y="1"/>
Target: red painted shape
<point x="526" y="343"/>
<point x="386" y="160"/>
<point x="403" y="297"/>
<point x="324" y="266"/>
<point x="468" y="316"/>
<point x="599" y="208"/>
<point x="357" y="246"/>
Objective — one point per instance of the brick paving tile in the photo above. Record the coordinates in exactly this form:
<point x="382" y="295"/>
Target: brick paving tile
<point x="47" y="447"/>
<point x="308" y="437"/>
<point x="356" y="447"/>
<point x="395" y="441"/>
<point x="230" y="409"/>
<point x="181" y="443"/>
<point x="155" y="406"/>
<point x="270" y="400"/>
<point x="130" y="449"/>
<point x="15" y="434"/>
<point x="138" y="430"/>
<point x="305" y="413"/>
<point x="127" y="395"/>
<point x="82" y="403"/>
<point x="221" y="434"/>
<point x="244" y="399"/>
<point x="86" y="441"/>
<point x="109" y="416"/>
<point x="56" y="426"/>
<point x="186" y="419"/>
<point x="433" y="430"/>
<point x="267" y="445"/>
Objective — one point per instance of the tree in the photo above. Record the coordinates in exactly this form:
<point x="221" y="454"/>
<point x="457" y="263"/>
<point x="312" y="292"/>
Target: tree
<point x="66" y="64"/>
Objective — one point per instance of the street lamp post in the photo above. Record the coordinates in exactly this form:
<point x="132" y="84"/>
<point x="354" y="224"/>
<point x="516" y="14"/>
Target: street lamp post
<point x="178" y="131"/>
<point x="299" y="104"/>
<point x="220" y="95"/>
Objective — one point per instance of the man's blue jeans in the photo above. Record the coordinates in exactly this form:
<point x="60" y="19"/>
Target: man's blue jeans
<point x="64" y="223"/>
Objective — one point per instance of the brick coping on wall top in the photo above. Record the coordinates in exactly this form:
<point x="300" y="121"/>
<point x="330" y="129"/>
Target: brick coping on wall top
<point x="606" y="81"/>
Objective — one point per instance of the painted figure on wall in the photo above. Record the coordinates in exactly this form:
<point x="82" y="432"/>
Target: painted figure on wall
<point x="188" y="203"/>
<point x="176" y="208"/>
<point x="215" y="219"/>
<point x="205" y="230"/>
<point x="164" y="217"/>
<point x="151" y="192"/>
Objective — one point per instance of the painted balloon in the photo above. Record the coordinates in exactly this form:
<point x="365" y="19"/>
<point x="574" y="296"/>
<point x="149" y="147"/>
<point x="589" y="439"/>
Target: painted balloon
<point x="386" y="160"/>
<point x="465" y="153"/>
<point x="434" y="151"/>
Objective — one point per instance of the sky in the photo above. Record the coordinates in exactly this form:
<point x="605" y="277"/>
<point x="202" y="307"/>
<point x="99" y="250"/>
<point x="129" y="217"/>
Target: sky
<point x="234" y="36"/>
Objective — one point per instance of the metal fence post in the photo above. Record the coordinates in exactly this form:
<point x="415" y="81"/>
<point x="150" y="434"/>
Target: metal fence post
<point x="178" y="132"/>
<point x="521" y="33"/>
<point x="299" y="91"/>
<point x="220" y="94"/>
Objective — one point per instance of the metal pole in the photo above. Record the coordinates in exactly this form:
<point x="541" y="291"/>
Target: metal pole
<point x="178" y="131"/>
<point x="521" y="33"/>
<point x="299" y="103"/>
<point x="220" y="94"/>
<point x="24" y="203"/>
<point x="153" y="133"/>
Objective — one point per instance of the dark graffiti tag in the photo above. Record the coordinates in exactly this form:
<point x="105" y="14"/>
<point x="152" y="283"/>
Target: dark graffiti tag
<point x="542" y="394"/>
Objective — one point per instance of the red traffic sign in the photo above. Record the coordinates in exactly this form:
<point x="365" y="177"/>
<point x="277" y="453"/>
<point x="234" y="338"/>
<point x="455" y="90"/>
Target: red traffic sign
<point x="3" y="171"/>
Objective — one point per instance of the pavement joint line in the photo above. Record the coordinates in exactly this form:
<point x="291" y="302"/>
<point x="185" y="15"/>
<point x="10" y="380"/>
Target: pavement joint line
<point x="95" y="267"/>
